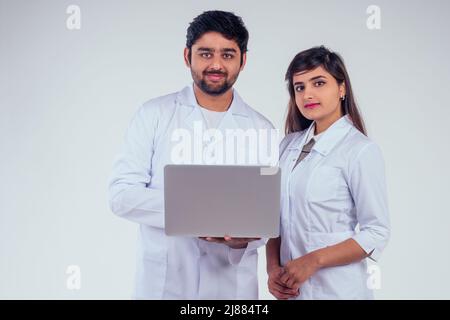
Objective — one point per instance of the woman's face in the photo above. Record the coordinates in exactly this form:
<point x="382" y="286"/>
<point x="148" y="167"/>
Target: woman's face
<point x="318" y="95"/>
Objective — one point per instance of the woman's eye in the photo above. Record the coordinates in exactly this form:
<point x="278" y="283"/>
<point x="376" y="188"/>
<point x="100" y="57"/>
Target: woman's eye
<point x="299" y="88"/>
<point x="319" y="83"/>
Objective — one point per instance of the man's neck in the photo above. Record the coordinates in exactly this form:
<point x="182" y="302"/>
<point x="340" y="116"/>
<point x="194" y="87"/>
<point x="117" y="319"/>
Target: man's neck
<point x="214" y="103"/>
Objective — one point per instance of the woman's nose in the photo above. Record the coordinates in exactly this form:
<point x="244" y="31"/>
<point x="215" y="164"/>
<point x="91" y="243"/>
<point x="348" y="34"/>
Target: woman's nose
<point x="308" y="93"/>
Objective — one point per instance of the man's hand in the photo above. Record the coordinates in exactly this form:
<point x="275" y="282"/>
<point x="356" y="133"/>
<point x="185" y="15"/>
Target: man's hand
<point x="235" y="243"/>
<point x="277" y="288"/>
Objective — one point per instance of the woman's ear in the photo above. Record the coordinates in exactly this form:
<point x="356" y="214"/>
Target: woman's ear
<point x="342" y="90"/>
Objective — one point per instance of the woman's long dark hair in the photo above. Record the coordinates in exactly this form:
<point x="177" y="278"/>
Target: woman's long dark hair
<point x="333" y="63"/>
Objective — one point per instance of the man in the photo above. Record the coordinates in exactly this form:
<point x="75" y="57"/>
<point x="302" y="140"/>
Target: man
<point x="183" y="267"/>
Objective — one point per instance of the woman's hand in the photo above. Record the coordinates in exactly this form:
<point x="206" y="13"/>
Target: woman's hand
<point x="277" y="288"/>
<point x="297" y="271"/>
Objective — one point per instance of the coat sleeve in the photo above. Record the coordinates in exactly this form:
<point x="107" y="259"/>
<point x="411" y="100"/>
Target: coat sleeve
<point x="368" y="188"/>
<point x="130" y="193"/>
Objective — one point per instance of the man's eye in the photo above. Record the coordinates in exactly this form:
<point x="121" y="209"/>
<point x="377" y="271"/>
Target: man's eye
<point x="206" y="55"/>
<point x="299" y="88"/>
<point x="228" y="56"/>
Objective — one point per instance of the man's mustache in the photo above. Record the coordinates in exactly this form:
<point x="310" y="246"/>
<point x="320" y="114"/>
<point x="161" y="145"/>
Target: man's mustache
<point x="218" y="72"/>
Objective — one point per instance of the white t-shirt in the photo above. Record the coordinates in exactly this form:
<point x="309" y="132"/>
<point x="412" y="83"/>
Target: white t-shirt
<point x="212" y="118"/>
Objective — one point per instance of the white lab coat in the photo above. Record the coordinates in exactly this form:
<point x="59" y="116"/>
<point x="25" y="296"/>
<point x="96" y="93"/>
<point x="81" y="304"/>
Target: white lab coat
<point x="339" y="185"/>
<point x="177" y="267"/>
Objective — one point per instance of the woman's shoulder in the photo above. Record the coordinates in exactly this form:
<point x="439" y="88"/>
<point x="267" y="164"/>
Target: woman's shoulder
<point x="358" y="144"/>
<point x="358" y="137"/>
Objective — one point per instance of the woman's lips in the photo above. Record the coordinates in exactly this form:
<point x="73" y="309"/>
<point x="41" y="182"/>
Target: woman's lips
<point x="312" y="105"/>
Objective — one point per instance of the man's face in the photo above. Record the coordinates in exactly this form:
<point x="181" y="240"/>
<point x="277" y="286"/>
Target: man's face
<point x="215" y="63"/>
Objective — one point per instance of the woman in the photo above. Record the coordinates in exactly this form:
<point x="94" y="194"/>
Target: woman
<point x="333" y="184"/>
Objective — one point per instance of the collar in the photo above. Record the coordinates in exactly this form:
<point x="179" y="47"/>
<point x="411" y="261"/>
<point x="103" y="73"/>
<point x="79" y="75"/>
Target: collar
<point x="187" y="98"/>
<point x="311" y="135"/>
<point x="329" y="138"/>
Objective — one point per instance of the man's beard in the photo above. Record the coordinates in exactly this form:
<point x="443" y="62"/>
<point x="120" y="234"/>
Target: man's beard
<point x="211" y="89"/>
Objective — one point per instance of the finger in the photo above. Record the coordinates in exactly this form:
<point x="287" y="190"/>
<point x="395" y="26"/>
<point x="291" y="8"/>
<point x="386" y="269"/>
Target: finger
<point x="277" y="279"/>
<point x="296" y="287"/>
<point x="286" y="289"/>
<point x="284" y="278"/>
<point x="213" y="239"/>
<point x="241" y="239"/>
<point x="290" y="283"/>
<point x="280" y="295"/>
<point x="283" y="289"/>
<point x="277" y="294"/>
<point x="235" y="240"/>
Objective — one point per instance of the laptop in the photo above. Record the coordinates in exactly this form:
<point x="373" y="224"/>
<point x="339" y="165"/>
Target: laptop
<point x="219" y="200"/>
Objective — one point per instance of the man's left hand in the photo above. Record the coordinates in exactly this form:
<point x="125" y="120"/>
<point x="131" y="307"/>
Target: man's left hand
<point x="235" y="243"/>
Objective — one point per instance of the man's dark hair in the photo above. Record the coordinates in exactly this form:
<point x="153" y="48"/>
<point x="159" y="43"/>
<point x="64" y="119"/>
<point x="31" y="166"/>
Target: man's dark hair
<point x="226" y="23"/>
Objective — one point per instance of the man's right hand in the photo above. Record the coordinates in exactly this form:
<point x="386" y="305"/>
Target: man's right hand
<point x="277" y="288"/>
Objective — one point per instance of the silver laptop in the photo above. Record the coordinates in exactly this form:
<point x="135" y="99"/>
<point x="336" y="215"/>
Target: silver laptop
<point x="211" y="200"/>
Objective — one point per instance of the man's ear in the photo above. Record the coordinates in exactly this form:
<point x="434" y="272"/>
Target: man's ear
<point x="244" y="61"/>
<point x="186" y="57"/>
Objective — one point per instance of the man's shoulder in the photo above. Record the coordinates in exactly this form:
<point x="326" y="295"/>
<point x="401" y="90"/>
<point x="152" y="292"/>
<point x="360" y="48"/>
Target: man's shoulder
<point x="155" y="104"/>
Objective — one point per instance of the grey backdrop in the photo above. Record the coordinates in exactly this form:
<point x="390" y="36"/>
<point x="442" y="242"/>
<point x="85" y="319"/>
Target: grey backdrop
<point x="66" y="97"/>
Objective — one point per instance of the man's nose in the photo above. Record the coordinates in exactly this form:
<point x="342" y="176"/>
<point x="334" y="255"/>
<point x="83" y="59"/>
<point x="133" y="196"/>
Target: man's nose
<point x="216" y="63"/>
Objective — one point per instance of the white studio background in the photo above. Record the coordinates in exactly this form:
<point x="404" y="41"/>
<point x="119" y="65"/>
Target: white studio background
<point x="67" y="96"/>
